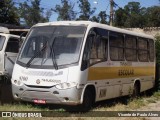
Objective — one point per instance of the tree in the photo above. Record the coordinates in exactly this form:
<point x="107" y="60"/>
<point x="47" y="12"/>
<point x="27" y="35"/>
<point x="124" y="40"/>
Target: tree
<point x="32" y="13"/>
<point x="135" y="13"/>
<point x="65" y="12"/>
<point x="103" y="17"/>
<point x="95" y="19"/>
<point x="120" y="17"/>
<point x="85" y="10"/>
<point x="157" y="45"/>
<point x="8" y="12"/>
<point x="153" y="16"/>
<point x="131" y="16"/>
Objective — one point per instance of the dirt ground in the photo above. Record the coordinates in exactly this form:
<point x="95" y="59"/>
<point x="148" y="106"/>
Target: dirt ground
<point x="151" y="107"/>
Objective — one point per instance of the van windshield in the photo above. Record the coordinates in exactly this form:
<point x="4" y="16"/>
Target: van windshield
<point x="52" y="46"/>
<point x="2" y="39"/>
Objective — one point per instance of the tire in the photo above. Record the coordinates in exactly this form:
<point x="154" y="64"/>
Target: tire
<point x="88" y="101"/>
<point x="136" y="90"/>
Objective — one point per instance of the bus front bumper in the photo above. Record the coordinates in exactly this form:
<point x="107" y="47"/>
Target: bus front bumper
<point x="47" y="95"/>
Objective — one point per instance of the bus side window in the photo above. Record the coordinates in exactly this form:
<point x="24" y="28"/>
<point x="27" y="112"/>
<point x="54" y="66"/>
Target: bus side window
<point x="143" y="52"/>
<point x="12" y="45"/>
<point x="86" y="53"/>
<point x="131" y="48"/>
<point x="99" y="46"/>
<point x="151" y="50"/>
<point x="116" y="41"/>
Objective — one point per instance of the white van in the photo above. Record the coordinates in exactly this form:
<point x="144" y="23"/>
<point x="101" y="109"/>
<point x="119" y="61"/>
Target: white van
<point x="9" y="47"/>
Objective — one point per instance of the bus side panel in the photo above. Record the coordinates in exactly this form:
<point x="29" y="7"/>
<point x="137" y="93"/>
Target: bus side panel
<point x="76" y="75"/>
<point x="80" y="77"/>
<point x="119" y="80"/>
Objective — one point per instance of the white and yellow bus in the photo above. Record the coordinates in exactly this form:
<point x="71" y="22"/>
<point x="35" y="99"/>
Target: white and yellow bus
<point x="82" y="62"/>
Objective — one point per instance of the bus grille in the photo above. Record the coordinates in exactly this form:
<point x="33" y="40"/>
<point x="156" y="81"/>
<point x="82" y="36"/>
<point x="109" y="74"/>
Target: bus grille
<point x="39" y="95"/>
<point x="39" y="73"/>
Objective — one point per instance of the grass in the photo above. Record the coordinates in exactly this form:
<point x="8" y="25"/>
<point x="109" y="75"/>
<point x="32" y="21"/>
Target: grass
<point x="157" y="95"/>
<point x="119" y="104"/>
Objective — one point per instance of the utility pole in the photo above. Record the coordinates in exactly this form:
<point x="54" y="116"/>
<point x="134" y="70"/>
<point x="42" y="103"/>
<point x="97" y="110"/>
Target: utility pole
<point x="111" y="12"/>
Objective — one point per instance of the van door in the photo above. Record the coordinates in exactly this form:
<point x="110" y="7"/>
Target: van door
<point x="11" y="52"/>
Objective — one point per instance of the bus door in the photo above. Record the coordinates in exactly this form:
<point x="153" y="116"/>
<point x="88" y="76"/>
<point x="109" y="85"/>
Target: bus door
<point x="11" y="52"/>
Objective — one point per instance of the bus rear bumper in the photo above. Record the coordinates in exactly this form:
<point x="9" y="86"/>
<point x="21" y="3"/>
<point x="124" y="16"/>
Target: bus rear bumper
<point x="47" y="96"/>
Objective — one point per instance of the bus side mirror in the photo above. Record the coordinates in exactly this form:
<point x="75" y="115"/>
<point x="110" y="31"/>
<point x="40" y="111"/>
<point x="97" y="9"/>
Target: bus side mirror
<point x="22" y="37"/>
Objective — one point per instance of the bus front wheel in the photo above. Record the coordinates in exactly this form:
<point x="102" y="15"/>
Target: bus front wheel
<point x="88" y="101"/>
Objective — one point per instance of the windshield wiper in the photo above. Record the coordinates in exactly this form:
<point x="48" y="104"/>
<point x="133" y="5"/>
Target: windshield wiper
<point x="36" y="54"/>
<point x="53" y="55"/>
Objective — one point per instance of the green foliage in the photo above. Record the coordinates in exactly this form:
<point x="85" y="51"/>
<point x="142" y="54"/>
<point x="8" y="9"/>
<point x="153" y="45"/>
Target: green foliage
<point x="65" y="11"/>
<point x="156" y="95"/>
<point x="85" y="10"/>
<point x="133" y="15"/>
<point x="120" y="17"/>
<point x="32" y="13"/>
<point x="101" y="18"/>
<point x="95" y="19"/>
<point x="8" y="12"/>
<point x="157" y="45"/>
<point x="137" y="103"/>
<point x="153" y="16"/>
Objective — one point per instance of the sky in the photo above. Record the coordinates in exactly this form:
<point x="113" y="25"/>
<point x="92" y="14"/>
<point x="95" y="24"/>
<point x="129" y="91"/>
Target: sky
<point x="101" y="5"/>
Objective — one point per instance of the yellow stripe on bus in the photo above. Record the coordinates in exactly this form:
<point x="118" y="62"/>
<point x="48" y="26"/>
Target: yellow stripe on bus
<point x="100" y="73"/>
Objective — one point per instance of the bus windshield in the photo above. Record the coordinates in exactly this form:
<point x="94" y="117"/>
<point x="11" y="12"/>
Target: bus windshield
<point x="2" y="39"/>
<point x="52" y="46"/>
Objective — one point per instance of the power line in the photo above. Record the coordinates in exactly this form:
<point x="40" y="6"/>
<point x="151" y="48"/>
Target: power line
<point x="107" y="7"/>
<point x="121" y="9"/>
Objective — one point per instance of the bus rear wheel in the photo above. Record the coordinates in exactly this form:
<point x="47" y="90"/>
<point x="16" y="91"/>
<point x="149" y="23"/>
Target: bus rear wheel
<point x="136" y="90"/>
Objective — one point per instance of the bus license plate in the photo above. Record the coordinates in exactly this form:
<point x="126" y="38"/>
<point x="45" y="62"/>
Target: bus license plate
<point x="40" y="101"/>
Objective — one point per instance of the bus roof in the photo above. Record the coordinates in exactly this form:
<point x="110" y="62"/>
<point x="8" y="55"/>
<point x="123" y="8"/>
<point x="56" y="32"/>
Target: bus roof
<point x="94" y="24"/>
<point x="4" y="30"/>
<point x="11" y="35"/>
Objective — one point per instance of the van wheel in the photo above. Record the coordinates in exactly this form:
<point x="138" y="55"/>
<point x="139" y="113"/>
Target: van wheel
<point x="136" y="90"/>
<point x="88" y="101"/>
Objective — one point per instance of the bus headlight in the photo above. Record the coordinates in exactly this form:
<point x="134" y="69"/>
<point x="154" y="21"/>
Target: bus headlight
<point x="66" y="85"/>
<point x="17" y="82"/>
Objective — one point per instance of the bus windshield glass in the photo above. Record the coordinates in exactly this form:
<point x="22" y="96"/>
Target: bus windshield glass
<point x="2" y="39"/>
<point x="52" y="46"/>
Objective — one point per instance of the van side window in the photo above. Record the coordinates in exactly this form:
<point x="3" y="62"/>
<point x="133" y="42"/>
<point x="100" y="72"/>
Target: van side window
<point x="12" y="45"/>
<point x="116" y="41"/>
<point x="99" y="46"/>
